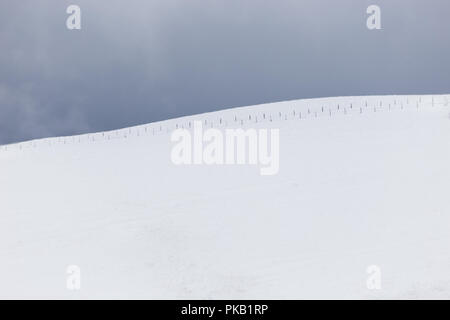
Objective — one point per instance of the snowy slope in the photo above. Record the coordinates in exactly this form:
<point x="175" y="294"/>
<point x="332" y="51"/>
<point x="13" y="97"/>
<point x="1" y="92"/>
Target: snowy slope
<point x="364" y="182"/>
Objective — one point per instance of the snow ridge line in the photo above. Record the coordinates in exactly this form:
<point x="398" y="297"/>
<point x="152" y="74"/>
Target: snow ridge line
<point x="243" y="117"/>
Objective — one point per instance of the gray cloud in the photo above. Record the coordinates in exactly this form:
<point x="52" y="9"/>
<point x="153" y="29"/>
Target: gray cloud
<point x="141" y="61"/>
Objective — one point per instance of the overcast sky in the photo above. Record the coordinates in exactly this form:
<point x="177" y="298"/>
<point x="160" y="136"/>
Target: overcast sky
<point x="135" y="62"/>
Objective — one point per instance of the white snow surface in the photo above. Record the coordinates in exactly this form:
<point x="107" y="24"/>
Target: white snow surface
<point x="358" y="186"/>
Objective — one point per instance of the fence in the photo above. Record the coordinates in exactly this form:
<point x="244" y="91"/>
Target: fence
<point x="244" y="116"/>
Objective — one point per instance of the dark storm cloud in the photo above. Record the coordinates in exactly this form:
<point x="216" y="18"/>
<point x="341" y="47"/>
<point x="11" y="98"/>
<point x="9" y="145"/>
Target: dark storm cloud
<point x="140" y="61"/>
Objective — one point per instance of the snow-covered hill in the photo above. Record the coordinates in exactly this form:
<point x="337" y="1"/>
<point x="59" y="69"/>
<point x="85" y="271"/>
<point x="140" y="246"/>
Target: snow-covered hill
<point x="363" y="181"/>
